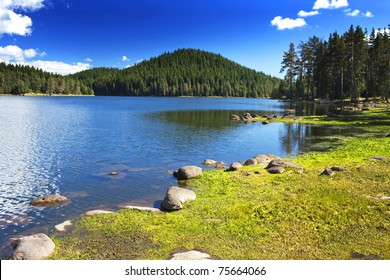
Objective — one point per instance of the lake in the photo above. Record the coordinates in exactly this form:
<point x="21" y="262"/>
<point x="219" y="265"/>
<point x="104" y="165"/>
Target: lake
<point x="68" y="145"/>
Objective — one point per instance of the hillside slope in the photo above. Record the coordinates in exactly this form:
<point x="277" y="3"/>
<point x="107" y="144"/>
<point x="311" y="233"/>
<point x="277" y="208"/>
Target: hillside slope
<point x="185" y="72"/>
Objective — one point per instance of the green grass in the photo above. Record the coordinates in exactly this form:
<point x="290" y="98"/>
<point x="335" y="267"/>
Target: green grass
<point x="260" y="216"/>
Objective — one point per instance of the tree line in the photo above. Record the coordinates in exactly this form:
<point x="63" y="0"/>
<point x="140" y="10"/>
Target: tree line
<point x="352" y="65"/>
<point x="20" y="79"/>
<point x="185" y="72"/>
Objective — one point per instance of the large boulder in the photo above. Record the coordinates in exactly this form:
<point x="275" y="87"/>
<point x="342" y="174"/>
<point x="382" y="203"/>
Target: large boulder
<point x="49" y="200"/>
<point x="175" y="197"/>
<point x="35" y="247"/>
<point x="266" y="158"/>
<point x="251" y="162"/>
<point x="285" y="163"/>
<point x="275" y="170"/>
<point x="235" y="166"/>
<point x="188" y="172"/>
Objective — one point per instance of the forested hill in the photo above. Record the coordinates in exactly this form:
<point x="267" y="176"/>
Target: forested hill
<point x="185" y="72"/>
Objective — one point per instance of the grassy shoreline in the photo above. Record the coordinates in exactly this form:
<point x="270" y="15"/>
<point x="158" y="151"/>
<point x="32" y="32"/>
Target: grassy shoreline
<point x="263" y="216"/>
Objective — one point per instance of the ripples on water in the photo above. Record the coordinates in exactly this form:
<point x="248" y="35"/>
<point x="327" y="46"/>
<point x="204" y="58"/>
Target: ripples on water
<point x="68" y="145"/>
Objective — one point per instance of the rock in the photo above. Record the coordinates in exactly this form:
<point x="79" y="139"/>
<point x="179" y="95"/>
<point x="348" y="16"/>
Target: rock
<point x="62" y="227"/>
<point x="377" y="158"/>
<point x="113" y="173"/>
<point x="327" y="172"/>
<point x="339" y="169"/>
<point x="251" y="162"/>
<point x="285" y="163"/>
<point x="265" y="122"/>
<point x="357" y="255"/>
<point x="266" y="158"/>
<point x="188" y="172"/>
<point x="234" y="117"/>
<point x="49" y="200"/>
<point x="220" y="165"/>
<point x="175" y="197"/>
<point x="275" y="170"/>
<point x="191" y="255"/>
<point x="97" y="212"/>
<point x="255" y="116"/>
<point x="235" y="166"/>
<point x="388" y="135"/>
<point x="270" y="117"/>
<point x="142" y="209"/>
<point x="209" y="162"/>
<point x="35" y="247"/>
<point x="247" y="117"/>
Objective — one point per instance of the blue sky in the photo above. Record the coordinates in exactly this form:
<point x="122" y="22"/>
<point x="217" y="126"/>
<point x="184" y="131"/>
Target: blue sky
<point x="66" y="36"/>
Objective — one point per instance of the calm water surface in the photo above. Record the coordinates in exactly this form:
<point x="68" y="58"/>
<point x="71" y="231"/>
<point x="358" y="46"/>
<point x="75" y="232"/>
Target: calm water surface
<point x="68" y="145"/>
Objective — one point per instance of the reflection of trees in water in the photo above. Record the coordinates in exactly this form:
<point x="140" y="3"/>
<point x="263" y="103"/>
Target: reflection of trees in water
<point x="203" y="119"/>
<point x="297" y="137"/>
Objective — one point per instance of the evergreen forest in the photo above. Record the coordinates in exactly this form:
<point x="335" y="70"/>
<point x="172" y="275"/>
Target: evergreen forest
<point x="185" y="72"/>
<point x="352" y="65"/>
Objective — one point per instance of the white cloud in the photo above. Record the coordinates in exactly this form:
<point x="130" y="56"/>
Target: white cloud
<point x="30" y="5"/>
<point x="15" y="55"/>
<point x="88" y="60"/>
<point x="330" y="4"/>
<point x="13" y="23"/>
<point x="302" y="13"/>
<point x="124" y="58"/>
<point x="287" y="23"/>
<point x="354" y="13"/>
<point x="368" y="14"/>
<point x="58" y="67"/>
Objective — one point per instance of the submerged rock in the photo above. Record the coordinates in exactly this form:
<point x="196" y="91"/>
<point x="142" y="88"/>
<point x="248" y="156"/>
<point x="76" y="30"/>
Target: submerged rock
<point x="97" y="212"/>
<point x="175" y="197"/>
<point x="113" y="173"/>
<point x="265" y="122"/>
<point x="209" y="162"/>
<point x="35" y="247"/>
<point x="188" y="172"/>
<point x="62" y="227"/>
<point x="49" y="200"/>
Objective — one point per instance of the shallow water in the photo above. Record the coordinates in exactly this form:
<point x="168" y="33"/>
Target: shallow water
<point x="68" y="145"/>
